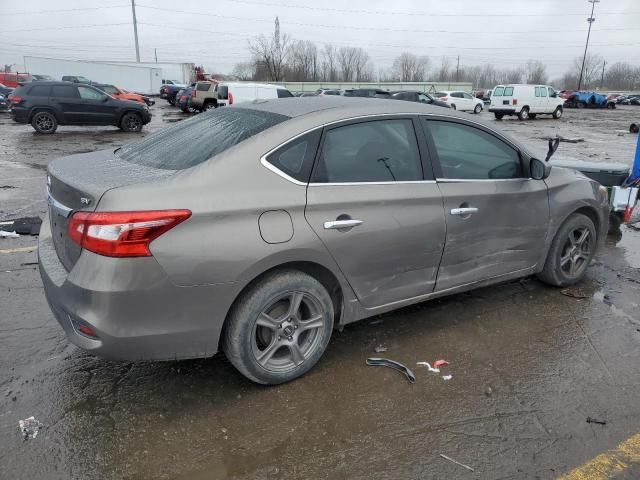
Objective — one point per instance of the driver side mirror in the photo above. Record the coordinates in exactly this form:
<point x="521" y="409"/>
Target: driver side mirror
<point x="538" y="170"/>
<point x="105" y="99"/>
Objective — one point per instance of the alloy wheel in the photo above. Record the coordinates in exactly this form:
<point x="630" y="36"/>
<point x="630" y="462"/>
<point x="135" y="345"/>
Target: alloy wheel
<point x="576" y="252"/>
<point x="287" y="331"/>
<point x="44" y="122"/>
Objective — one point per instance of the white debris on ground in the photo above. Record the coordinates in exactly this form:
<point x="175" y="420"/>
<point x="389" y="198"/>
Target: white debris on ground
<point x="428" y="365"/>
<point x="29" y="427"/>
<point x="4" y="234"/>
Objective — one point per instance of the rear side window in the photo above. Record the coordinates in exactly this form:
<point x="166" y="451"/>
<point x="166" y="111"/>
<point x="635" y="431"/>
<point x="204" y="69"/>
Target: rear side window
<point x="497" y="92"/>
<point x="296" y="157"/>
<point x="508" y="91"/>
<point x="40" y="91"/>
<point x="543" y="91"/>
<point x="283" y="93"/>
<point x="64" y="91"/>
<point x="203" y="87"/>
<point x="375" y="151"/>
<point x="193" y="141"/>
<point x="467" y="152"/>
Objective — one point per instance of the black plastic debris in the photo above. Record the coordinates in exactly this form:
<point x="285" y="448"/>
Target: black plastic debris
<point x="385" y="362"/>
<point x="595" y="420"/>
<point x="22" y="226"/>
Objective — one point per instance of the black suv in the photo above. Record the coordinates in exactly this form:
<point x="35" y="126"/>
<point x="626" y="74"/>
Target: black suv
<point x="414" y="96"/>
<point x="45" y="105"/>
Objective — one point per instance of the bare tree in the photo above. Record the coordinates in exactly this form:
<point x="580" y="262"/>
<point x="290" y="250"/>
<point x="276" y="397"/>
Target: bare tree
<point x="536" y="72"/>
<point x="244" y="71"/>
<point x="510" y="76"/>
<point x="592" y="68"/>
<point x="271" y="54"/>
<point x="622" y="76"/>
<point x="328" y="64"/>
<point x="303" y="63"/>
<point x="444" y="73"/>
<point x="348" y="57"/>
<point x="363" y="68"/>
<point x="410" y="68"/>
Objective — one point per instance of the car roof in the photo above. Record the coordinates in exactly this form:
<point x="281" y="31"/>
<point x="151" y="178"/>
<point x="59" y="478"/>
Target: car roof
<point x="251" y="84"/>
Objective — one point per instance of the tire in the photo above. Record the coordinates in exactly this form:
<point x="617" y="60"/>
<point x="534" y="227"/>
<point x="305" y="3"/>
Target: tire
<point x="579" y="105"/>
<point x="498" y="115"/>
<point x="172" y="101"/>
<point x="44" y="122"/>
<point x="615" y="222"/>
<point x="185" y="110"/>
<point x="557" y="113"/>
<point x="611" y="106"/>
<point x="453" y="107"/>
<point x="524" y="114"/>
<point x="131" y="122"/>
<point x="533" y="116"/>
<point x="264" y="352"/>
<point x="209" y="106"/>
<point x="570" y="253"/>
<point x="477" y="109"/>
<point x="634" y="128"/>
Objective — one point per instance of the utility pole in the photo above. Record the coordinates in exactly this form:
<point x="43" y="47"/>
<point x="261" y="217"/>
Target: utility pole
<point x="591" y="19"/>
<point x="135" y="29"/>
<point x="458" y="69"/>
<point x="604" y="64"/>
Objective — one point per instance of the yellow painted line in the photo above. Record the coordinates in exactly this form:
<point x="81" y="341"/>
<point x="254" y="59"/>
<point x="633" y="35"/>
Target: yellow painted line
<point x="17" y="250"/>
<point x="610" y="463"/>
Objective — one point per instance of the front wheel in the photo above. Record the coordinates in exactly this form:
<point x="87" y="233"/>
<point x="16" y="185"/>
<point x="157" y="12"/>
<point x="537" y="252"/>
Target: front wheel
<point x="571" y="252"/>
<point x="131" y="122"/>
<point x="477" y="109"/>
<point x="280" y="328"/>
<point x="498" y="115"/>
<point x="557" y="113"/>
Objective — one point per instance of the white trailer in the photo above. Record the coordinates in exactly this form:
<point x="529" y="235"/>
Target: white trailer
<point x="179" y="72"/>
<point x="140" y="79"/>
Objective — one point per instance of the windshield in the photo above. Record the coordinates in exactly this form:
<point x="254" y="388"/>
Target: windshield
<point x="196" y="140"/>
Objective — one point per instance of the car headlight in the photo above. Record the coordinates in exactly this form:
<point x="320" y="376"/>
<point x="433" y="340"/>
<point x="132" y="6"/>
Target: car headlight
<point x="603" y="193"/>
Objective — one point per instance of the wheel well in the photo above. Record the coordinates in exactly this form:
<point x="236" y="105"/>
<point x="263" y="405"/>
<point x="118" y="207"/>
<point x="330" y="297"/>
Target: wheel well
<point x="593" y="215"/>
<point x="41" y="109"/>
<point x="128" y="111"/>
<point x="315" y="270"/>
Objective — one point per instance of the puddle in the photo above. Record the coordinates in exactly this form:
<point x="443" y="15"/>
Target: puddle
<point x="630" y="242"/>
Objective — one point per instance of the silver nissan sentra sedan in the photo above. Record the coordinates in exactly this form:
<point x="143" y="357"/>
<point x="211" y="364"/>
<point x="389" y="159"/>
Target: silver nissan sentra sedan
<point x="259" y="228"/>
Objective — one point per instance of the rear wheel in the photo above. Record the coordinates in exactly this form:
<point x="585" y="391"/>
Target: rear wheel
<point x="532" y="116"/>
<point x="131" y="122"/>
<point x="44" y="122"/>
<point x="280" y="328"/>
<point x="634" y="128"/>
<point x="524" y="114"/>
<point x="571" y="252"/>
<point x="209" y="105"/>
<point x="498" y="115"/>
<point x="477" y="109"/>
<point x="557" y="113"/>
<point x="453" y="106"/>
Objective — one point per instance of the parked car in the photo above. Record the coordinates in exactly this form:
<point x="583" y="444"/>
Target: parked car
<point x="204" y="96"/>
<point x="171" y="82"/>
<point x="183" y="99"/>
<point x="168" y="92"/>
<point x="76" y="79"/>
<point x="487" y="96"/>
<point x="4" y="104"/>
<point x="143" y="255"/>
<point x="118" y="93"/>
<point x="367" y="92"/>
<point x="4" y="90"/>
<point x="415" y="96"/>
<point x="12" y="80"/>
<point x="525" y="101"/>
<point x="41" y="78"/>
<point x="45" y="105"/>
<point x="229" y="93"/>
<point x="307" y="94"/>
<point x="588" y="100"/>
<point x="329" y="91"/>
<point x="462" y="101"/>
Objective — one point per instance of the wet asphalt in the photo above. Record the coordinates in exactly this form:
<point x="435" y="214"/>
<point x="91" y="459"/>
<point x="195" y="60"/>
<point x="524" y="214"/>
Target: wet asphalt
<point x="529" y="364"/>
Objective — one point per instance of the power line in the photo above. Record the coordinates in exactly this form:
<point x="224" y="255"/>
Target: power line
<point x="69" y="27"/>
<point x="356" y="27"/>
<point x="62" y="10"/>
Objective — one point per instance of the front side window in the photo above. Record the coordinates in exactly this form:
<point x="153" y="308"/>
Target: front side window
<point x="467" y="96"/>
<point x="543" y="91"/>
<point x="424" y="98"/>
<point x="470" y="153"/>
<point x="552" y="92"/>
<point x="375" y="151"/>
<point x="283" y="93"/>
<point x="90" y="93"/>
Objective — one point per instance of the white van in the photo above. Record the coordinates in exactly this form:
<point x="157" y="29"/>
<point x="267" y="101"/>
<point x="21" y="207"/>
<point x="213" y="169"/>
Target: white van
<point x="526" y="101"/>
<point x="229" y="93"/>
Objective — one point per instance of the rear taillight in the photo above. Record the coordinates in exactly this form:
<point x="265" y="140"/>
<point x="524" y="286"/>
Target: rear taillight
<point x="230" y="98"/>
<point x="444" y="99"/>
<point x="193" y="94"/>
<point x="14" y="99"/>
<point x="515" y="101"/>
<point x="122" y="234"/>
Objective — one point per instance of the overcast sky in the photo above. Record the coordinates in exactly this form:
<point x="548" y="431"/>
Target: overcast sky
<point x="216" y="33"/>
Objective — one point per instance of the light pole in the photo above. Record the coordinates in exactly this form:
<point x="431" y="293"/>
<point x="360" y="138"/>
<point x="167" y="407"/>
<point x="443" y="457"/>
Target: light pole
<point x="591" y="19"/>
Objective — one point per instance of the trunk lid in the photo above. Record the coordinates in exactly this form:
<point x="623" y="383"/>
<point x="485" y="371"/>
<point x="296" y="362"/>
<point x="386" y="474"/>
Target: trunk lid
<point x="78" y="182"/>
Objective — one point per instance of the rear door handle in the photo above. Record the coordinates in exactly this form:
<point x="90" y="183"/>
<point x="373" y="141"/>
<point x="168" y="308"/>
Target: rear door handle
<point x="338" y="224"/>
<point x="464" y="211"/>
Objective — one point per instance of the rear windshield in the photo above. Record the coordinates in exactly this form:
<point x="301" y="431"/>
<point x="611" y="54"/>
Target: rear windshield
<point x="196" y="140"/>
<point x="508" y="91"/>
<point x="203" y="87"/>
<point x="497" y="92"/>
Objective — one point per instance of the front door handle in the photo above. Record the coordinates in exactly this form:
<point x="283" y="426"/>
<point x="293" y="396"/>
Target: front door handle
<point x="339" y="224"/>
<point x="463" y="211"/>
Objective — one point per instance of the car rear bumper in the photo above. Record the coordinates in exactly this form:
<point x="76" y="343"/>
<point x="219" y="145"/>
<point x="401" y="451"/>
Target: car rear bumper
<point x="19" y="114"/>
<point x="135" y="311"/>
